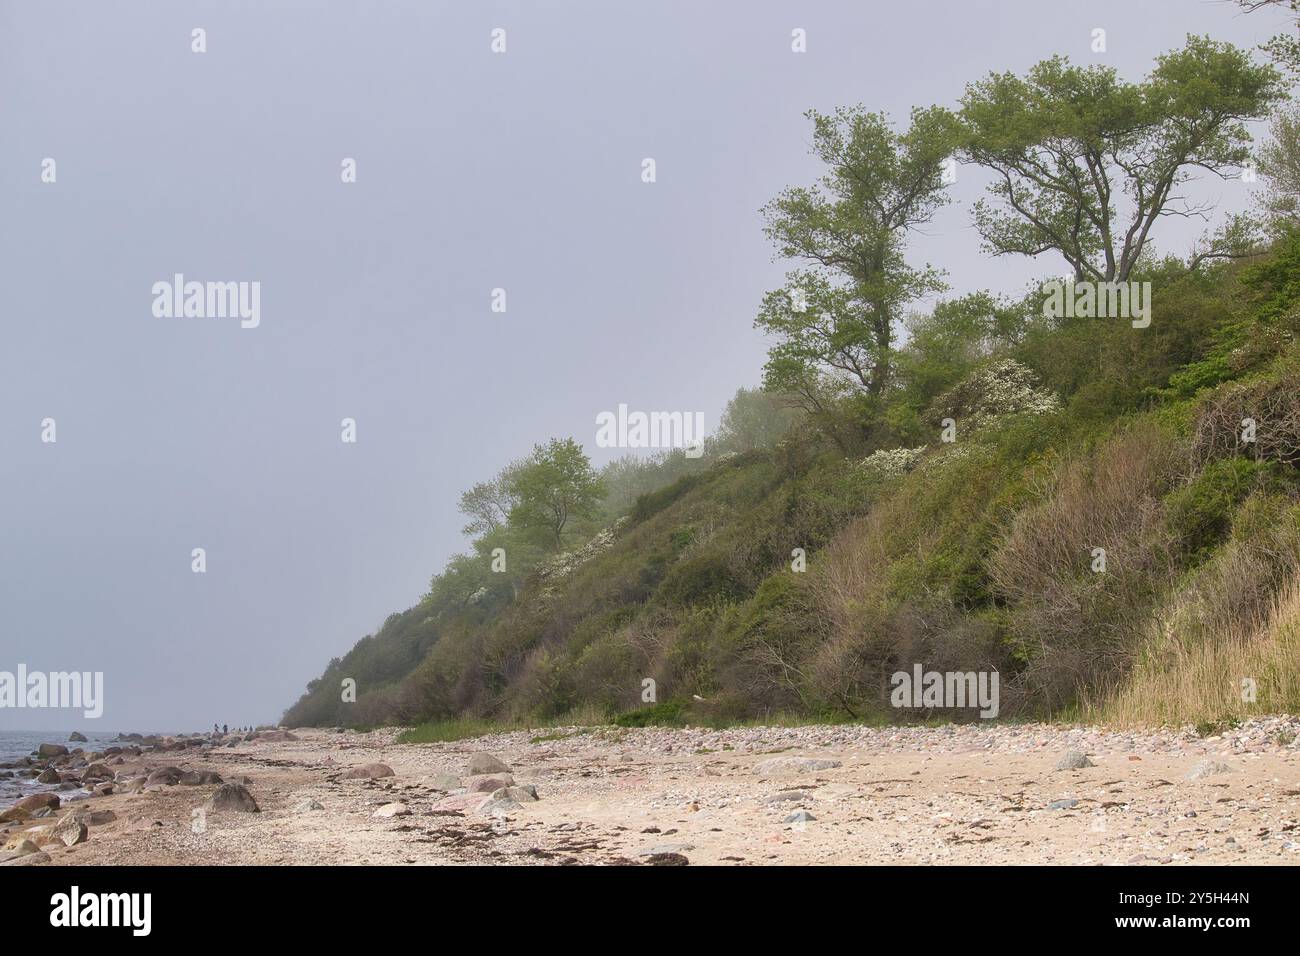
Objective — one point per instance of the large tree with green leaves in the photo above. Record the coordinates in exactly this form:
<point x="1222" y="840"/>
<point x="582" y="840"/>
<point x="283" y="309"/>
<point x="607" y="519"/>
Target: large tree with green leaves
<point x="1086" y="164"/>
<point x="839" y="314"/>
<point x="550" y="488"/>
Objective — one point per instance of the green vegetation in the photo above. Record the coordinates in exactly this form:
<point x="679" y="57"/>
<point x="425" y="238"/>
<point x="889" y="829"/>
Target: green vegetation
<point x="1107" y="515"/>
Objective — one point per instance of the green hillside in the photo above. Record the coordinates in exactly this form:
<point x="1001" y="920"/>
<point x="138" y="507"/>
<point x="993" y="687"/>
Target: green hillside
<point x="1076" y="502"/>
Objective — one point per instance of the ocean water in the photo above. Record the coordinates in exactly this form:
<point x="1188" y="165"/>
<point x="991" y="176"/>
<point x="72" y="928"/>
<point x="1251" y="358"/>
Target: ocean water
<point x="15" y="744"/>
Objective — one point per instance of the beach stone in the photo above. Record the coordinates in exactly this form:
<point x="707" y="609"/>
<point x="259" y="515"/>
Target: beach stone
<point x="231" y="797"/>
<point x="15" y="815"/>
<point x="445" y="781"/>
<point x="49" y="776"/>
<point x="799" y="816"/>
<point x="38" y="801"/>
<point x="200" y="778"/>
<point x="1073" y="760"/>
<point x="1208" y="768"/>
<point x="486" y="784"/>
<point x="496" y="806"/>
<point x="52" y="750"/>
<point x="787" y="796"/>
<point x="97" y="771"/>
<point x="92" y="818"/>
<point x="165" y="776"/>
<point x="71" y="833"/>
<point x="523" y="793"/>
<point x="77" y="737"/>
<point x="1067" y="804"/>
<point x="307" y="806"/>
<point x="370" y="771"/>
<point x="779" y="766"/>
<point x="484" y="763"/>
<point x="28" y="859"/>
<point x="459" y="803"/>
<point x="390" y="810"/>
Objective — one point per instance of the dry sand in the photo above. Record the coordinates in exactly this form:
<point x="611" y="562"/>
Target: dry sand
<point x="922" y="795"/>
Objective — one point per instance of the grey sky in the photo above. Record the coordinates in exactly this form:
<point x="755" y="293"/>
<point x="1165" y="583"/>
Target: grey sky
<point x="475" y="171"/>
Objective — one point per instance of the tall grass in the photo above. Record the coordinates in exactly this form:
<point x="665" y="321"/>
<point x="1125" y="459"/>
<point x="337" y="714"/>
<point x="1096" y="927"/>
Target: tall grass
<point x="1183" y="681"/>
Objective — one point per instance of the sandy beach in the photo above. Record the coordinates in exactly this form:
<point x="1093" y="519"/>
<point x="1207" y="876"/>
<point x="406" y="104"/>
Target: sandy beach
<point x="922" y="795"/>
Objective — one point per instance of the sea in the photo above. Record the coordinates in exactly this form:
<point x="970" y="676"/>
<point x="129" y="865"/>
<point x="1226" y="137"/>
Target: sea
<point x="15" y="744"/>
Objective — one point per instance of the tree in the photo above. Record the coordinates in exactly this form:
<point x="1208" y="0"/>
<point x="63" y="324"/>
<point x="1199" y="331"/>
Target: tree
<point x="1285" y="49"/>
<point x="840" y="311"/>
<point x="488" y="503"/>
<point x="1280" y="165"/>
<point x="553" y="485"/>
<point x="753" y="419"/>
<point x="1085" y="164"/>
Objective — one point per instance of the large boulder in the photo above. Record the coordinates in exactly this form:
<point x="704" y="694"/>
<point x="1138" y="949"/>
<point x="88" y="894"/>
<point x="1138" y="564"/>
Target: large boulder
<point x="52" y="750"/>
<point x="70" y="833"/>
<point x="38" y="801"/>
<point x="15" y="815"/>
<point x="231" y="798"/>
<point x="482" y="763"/>
<point x="77" y="737"/>
<point x="164" y="776"/>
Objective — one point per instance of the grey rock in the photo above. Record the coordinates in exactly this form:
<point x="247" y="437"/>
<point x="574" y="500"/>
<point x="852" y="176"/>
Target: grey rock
<point x="1073" y="760"/>
<point x="1208" y="768"/>
<point x="231" y="797"/>
<point x="482" y="763"/>
<point x="799" y="816"/>
<point x="787" y="796"/>
<point x="1067" y="804"/>
<point x="779" y="766"/>
<point x="523" y="793"/>
<point x="498" y="807"/>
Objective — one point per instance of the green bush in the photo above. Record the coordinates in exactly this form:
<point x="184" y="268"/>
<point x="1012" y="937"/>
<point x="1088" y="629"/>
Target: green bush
<point x="669" y="713"/>
<point x="1200" y="513"/>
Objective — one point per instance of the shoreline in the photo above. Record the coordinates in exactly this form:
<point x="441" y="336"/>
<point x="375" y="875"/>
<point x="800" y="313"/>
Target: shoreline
<point x="746" y="796"/>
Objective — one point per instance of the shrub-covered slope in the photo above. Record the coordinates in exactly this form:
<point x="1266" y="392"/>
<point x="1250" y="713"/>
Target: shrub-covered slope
<point x="795" y="578"/>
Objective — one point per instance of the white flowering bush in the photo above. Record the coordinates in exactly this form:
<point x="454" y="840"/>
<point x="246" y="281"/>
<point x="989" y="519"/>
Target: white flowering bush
<point x="562" y="565"/>
<point x="1003" y="388"/>
<point x="891" y="462"/>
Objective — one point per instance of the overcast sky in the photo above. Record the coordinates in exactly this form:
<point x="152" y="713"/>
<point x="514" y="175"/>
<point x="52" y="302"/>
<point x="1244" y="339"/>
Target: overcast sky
<point x="475" y="171"/>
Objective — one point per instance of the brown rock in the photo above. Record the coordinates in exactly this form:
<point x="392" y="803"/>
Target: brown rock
<point x="370" y="771"/>
<point x="38" y="801"/>
<point x="232" y="798"/>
